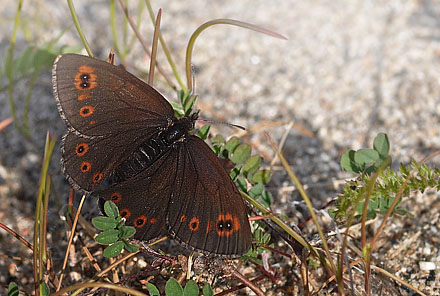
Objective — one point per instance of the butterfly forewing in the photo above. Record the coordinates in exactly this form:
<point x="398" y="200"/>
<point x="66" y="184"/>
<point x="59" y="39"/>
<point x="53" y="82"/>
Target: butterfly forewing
<point x="88" y="162"/>
<point x="96" y="98"/>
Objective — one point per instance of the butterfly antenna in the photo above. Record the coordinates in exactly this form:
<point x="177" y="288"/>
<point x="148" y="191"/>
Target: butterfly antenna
<point x="222" y="123"/>
<point x="193" y="90"/>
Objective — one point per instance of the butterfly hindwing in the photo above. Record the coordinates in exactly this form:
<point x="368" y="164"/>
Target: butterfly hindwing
<point x="206" y="210"/>
<point x="143" y="199"/>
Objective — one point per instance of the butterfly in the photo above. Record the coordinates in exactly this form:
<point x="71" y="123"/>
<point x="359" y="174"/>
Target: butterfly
<point x="124" y="144"/>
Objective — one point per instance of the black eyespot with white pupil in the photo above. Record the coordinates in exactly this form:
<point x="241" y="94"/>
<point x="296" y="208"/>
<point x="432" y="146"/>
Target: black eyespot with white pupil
<point x="224" y="225"/>
<point x="85" y="80"/>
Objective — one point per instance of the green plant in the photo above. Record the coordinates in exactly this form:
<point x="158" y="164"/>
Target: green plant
<point x="387" y="185"/>
<point x="115" y="233"/>
<point x="173" y="288"/>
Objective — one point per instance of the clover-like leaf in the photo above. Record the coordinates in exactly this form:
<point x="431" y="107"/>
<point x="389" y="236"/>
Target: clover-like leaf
<point x="110" y="209"/>
<point x="126" y="231"/>
<point x="108" y="236"/>
<point x="113" y="250"/>
<point x="262" y="176"/>
<point x="241" y="153"/>
<point x="232" y="144"/>
<point x="348" y="163"/>
<point x="191" y="289"/>
<point x="207" y="290"/>
<point x="173" y="288"/>
<point x="130" y="247"/>
<point x="242" y="184"/>
<point x="382" y="145"/>
<point x="104" y="223"/>
<point x="256" y="190"/>
<point x="366" y="156"/>
<point x="153" y="290"/>
<point x="252" y="165"/>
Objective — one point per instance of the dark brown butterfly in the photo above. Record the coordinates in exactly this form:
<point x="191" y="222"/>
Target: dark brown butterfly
<point x="125" y="144"/>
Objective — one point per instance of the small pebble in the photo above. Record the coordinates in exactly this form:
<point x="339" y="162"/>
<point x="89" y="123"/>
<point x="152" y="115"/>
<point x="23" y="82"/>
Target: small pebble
<point x="426" y="265"/>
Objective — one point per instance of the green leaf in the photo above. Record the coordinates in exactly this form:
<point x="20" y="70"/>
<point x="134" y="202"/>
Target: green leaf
<point x="256" y="190"/>
<point x="110" y="209"/>
<point x="242" y="184"/>
<point x="191" y="289"/>
<point x="365" y="156"/>
<point x="13" y="289"/>
<point x="23" y="63"/>
<point x="262" y="176"/>
<point x="45" y="289"/>
<point x="241" y="153"/>
<point x="173" y="288"/>
<point x="181" y="96"/>
<point x="266" y="238"/>
<point x="43" y="59"/>
<point x="348" y="163"/>
<point x="207" y="290"/>
<point x="204" y="131"/>
<point x="126" y="231"/>
<point x="252" y="165"/>
<point x="108" y="237"/>
<point x="266" y="198"/>
<point x="217" y="140"/>
<point x="153" y="290"/>
<point x="130" y="247"/>
<point x="231" y="144"/>
<point x="382" y="145"/>
<point x="113" y="250"/>
<point x="235" y="172"/>
<point x="104" y="223"/>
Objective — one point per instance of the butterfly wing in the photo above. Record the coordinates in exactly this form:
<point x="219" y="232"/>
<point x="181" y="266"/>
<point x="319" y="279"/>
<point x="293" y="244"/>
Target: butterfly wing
<point x="96" y="98"/>
<point x="109" y="113"/>
<point x="206" y="210"/>
<point x="89" y="161"/>
<point x="143" y="199"/>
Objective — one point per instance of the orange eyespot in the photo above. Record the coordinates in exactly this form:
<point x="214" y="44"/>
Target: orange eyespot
<point x="81" y="149"/>
<point x="97" y="177"/>
<point x="86" y="111"/>
<point x="85" y="166"/>
<point x="116" y="197"/>
<point x="194" y="224"/>
<point x="125" y="213"/>
<point x="140" y="221"/>
<point x="227" y="224"/>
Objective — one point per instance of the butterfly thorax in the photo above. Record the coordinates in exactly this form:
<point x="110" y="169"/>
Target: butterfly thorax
<point x="149" y="151"/>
